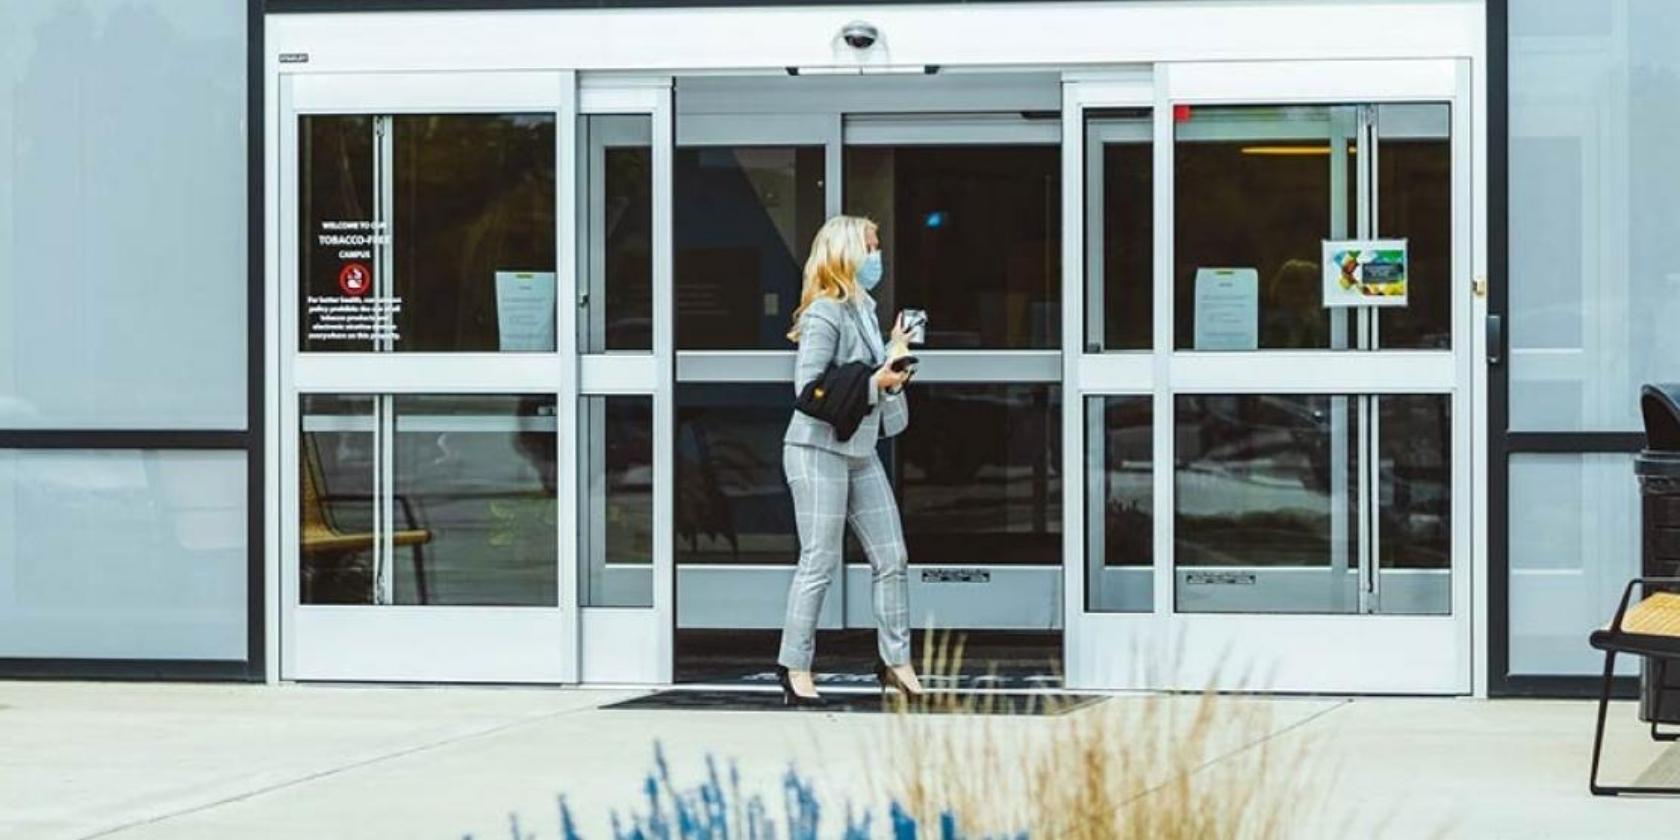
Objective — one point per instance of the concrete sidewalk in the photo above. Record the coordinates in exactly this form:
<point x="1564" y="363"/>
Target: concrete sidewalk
<point x="166" y="760"/>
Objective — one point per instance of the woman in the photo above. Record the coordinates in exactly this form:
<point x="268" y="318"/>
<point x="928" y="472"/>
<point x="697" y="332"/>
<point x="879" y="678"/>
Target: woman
<point x="833" y="481"/>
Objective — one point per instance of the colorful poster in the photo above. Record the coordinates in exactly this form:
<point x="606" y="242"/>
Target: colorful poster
<point x="1365" y="272"/>
<point x="1227" y="309"/>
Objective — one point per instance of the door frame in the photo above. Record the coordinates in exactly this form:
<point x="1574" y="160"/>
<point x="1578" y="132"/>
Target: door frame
<point x="623" y="644"/>
<point x="402" y="642"/>
<point x="1168" y="649"/>
<point x="844" y="112"/>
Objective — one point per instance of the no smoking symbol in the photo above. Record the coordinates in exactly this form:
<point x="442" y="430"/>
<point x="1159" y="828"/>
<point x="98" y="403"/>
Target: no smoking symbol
<point x="354" y="279"/>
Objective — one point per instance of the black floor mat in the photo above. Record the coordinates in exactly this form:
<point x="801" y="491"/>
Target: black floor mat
<point x="954" y="702"/>
<point x="996" y="660"/>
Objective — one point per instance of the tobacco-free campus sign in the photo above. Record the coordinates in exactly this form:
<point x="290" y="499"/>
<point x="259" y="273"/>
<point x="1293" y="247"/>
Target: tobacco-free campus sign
<point x="355" y="313"/>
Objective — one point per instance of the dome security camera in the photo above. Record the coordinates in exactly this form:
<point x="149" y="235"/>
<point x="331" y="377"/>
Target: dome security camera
<point x="859" y="35"/>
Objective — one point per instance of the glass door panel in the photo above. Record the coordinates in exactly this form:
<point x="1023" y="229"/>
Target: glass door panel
<point x="745" y="216"/>
<point x="417" y="500"/>
<point x="1301" y="503"/>
<point x="427" y="404"/>
<point x="1268" y="504"/>
<point x="1414" y="200"/>
<point x="427" y="233"/>
<point x="970" y="235"/>
<point x="1255" y="191"/>
<point x="1120" y="229"/>
<point x="1315" y="463"/>
<point x="1119" y="504"/>
<point x="615" y="227"/>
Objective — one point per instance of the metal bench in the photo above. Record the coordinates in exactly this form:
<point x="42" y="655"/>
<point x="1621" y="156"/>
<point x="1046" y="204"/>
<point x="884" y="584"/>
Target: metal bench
<point x="1651" y="629"/>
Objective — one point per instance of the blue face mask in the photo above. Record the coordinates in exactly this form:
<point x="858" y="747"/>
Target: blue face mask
<point x="869" y="274"/>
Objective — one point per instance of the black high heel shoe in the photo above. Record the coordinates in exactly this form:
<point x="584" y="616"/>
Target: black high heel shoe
<point x="794" y="698"/>
<point x="889" y="679"/>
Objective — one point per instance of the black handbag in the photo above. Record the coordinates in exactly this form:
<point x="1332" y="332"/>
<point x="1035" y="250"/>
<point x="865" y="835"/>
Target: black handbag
<point x="840" y="398"/>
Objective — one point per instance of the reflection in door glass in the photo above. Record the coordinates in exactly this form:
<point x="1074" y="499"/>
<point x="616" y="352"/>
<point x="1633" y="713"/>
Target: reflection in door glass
<point x="1271" y="517"/>
<point x="615" y="225"/>
<point x="472" y="504"/>
<point x="336" y="534"/>
<point x="1256" y="191"/>
<point x="427" y="233"/>
<point x="971" y="234"/>
<point x="744" y="220"/>
<point x="732" y="502"/>
<point x="1414" y="202"/>
<point x="1267" y="498"/>
<point x="616" y="501"/>
<point x="1414" y="448"/>
<point x="474" y="232"/>
<point x="1119" y="230"/>
<point x="336" y="198"/>
<point x="979" y="475"/>
<point x="1120" y="499"/>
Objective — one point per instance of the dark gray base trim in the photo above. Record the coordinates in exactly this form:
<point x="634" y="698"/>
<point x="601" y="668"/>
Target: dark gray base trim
<point x="1574" y="442"/>
<point x="123" y="439"/>
<point x="185" y="670"/>
<point x="1568" y="688"/>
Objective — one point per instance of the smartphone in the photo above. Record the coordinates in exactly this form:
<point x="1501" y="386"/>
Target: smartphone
<point x="900" y="364"/>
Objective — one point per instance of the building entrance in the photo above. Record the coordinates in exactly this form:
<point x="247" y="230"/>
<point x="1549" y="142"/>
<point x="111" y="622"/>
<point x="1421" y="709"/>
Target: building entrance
<point x="969" y="205"/>
<point x="533" y="377"/>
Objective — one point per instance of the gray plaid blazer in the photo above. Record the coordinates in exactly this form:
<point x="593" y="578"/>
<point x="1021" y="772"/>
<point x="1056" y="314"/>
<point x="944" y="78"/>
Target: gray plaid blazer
<point x="834" y="333"/>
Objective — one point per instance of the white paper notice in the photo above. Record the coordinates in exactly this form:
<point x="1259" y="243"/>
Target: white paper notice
<point x="1227" y="309"/>
<point x="525" y="310"/>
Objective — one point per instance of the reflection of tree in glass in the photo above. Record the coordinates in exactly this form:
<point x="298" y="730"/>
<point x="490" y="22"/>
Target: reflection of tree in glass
<point x="709" y="469"/>
<point x="474" y="194"/>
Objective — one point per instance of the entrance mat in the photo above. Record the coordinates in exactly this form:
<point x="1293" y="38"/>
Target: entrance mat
<point x="940" y="702"/>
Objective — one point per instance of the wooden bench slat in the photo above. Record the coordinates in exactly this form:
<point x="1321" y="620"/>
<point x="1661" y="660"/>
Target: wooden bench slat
<point x="1658" y="615"/>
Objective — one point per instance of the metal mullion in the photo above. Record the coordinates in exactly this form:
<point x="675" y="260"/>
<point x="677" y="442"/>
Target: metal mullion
<point x="1344" y="511"/>
<point x="1163" y="415"/>
<point x="1369" y="472"/>
<point x="1363" y="205"/>
<point x="664" y="399"/>
<point x="1369" y="203"/>
<point x="1076" y="554"/>
<point x="384" y="222"/>
<point x="384" y="501"/>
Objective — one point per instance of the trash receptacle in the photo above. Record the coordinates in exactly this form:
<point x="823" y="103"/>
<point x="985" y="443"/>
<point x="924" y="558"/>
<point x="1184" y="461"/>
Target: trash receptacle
<point x="1658" y="468"/>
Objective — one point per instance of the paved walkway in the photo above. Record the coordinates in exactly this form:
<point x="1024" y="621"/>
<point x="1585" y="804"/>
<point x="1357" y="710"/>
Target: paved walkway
<point x="159" y="760"/>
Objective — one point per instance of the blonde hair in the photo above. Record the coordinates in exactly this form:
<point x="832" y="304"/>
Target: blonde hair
<point x="831" y="270"/>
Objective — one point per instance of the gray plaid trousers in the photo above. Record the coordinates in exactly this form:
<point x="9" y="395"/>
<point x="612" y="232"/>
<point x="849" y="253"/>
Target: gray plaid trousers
<point x="830" y="490"/>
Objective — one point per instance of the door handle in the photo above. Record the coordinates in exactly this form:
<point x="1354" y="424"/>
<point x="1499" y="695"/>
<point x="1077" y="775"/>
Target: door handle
<point x="1495" y="339"/>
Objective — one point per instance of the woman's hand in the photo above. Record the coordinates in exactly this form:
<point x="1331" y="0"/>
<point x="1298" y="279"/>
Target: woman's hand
<point x="899" y="334"/>
<point x="888" y="379"/>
